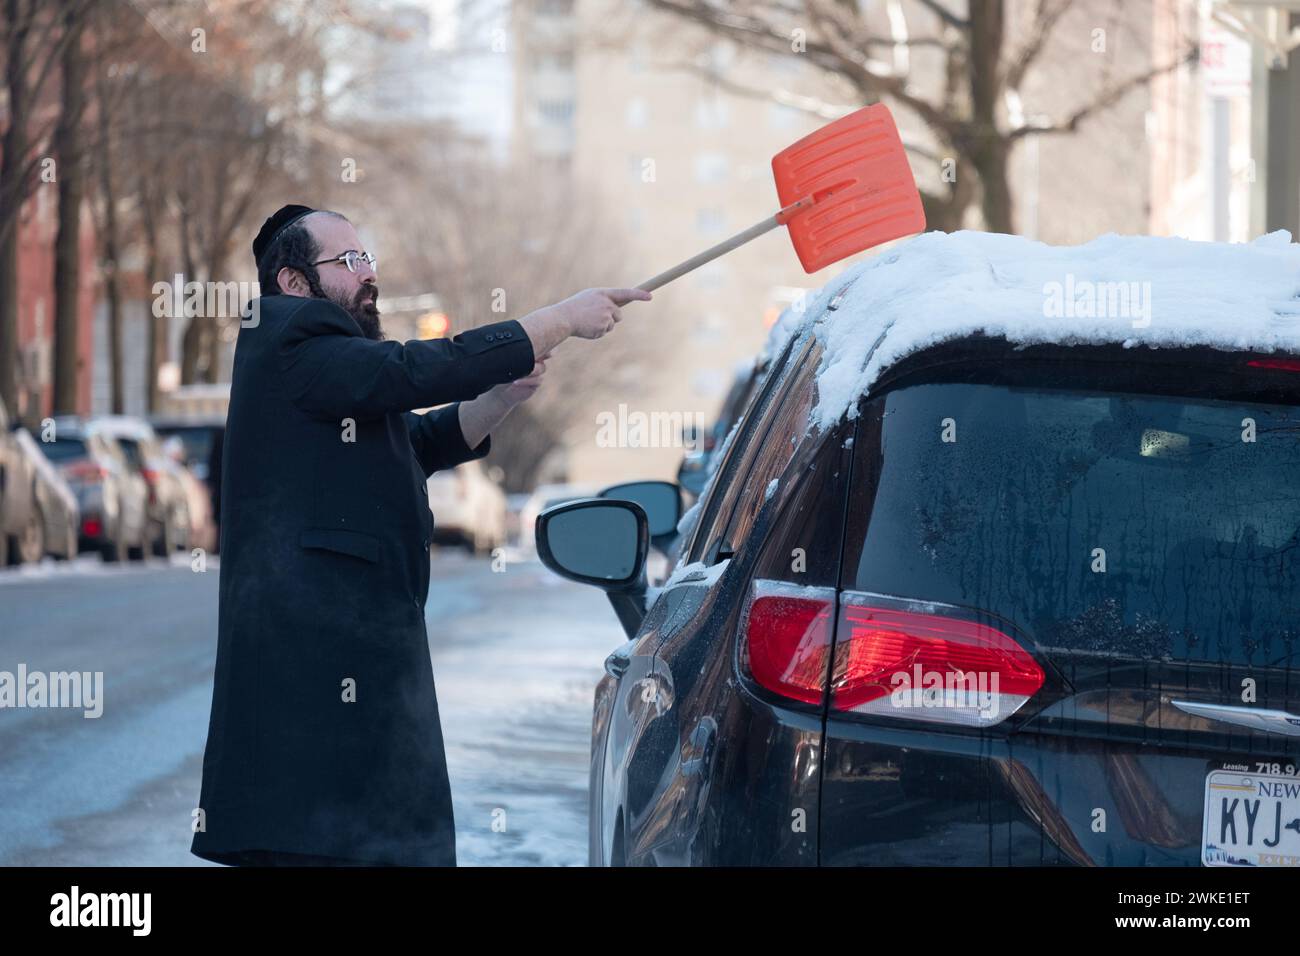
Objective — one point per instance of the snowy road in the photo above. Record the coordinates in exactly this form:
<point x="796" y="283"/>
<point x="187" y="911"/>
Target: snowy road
<point x="516" y="655"/>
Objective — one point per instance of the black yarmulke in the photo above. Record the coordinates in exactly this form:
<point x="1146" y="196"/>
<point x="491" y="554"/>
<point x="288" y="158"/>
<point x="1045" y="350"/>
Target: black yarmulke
<point x="283" y="218"/>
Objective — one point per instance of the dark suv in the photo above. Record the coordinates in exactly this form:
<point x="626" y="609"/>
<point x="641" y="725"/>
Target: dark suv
<point x="1027" y="605"/>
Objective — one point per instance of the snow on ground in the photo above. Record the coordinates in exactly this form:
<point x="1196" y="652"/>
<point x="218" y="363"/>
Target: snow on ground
<point x="89" y="563"/>
<point x="1131" y="290"/>
<point x="516" y="662"/>
<point x="516" y="657"/>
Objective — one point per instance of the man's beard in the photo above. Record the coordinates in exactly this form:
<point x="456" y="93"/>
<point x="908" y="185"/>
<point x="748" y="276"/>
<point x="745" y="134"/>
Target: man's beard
<point x="361" y="307"/>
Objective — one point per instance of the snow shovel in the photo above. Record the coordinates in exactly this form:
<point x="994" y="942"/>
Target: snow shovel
<point x="845" y="188"/>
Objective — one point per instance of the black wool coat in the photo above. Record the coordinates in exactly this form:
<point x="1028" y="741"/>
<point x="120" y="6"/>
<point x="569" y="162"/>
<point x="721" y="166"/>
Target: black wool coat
<point x="324" y="737"/>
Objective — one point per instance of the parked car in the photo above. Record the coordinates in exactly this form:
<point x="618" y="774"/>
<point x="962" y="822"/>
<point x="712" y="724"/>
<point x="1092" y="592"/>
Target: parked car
<point x="515" y="504"/>
<point x="1030" y="599"/>
<point x="203" y="438"/>
<point x="469" y="507"/>
<point x="202" y="530"/>
<point x="112" y="498"/>
<point x="17" y="500"/>
<point x="58" y="515"/>
<point x="38" y="513"/>
<point x="168" y="523"/>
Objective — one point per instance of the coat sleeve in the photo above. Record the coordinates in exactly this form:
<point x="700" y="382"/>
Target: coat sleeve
<point x="438" y="441"/>
<point x="332" y="371"/>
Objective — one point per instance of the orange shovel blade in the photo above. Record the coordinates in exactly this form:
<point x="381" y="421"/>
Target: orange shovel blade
<point x="857" y="172"/>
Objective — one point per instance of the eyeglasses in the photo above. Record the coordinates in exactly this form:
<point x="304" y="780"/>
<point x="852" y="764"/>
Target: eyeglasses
<point x="351" y="259"/>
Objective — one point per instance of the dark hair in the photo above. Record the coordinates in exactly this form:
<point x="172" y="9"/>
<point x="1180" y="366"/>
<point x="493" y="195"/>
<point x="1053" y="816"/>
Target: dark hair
<point x="295" y="248"/>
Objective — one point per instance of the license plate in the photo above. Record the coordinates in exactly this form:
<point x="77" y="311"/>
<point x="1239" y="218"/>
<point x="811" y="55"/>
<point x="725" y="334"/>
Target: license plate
<point x="1251" y="819"/>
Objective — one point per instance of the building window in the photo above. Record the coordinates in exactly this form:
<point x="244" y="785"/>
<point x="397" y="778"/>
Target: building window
<point x="710" y="221"/>
<point x="711" y="112"/>
<point x="714" y="275"/>
<point x="558" y="60"/>
<point x="780" y="116"/>
<point x="638" y="113"/>
<point x="711" y="168"/>
<point x="710" y="328"/>
<point x="556" y="112"/>
<point x="637" y="56"/>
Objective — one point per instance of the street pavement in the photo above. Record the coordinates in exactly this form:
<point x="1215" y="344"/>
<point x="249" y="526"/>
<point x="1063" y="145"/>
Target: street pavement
<point x="516" y="655"/>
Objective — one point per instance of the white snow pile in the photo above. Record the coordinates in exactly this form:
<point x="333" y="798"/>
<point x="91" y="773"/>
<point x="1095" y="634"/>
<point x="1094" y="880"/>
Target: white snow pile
<point x="1131" y="290"/>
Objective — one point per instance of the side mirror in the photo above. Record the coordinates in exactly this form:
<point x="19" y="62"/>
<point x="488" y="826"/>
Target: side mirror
<point x="595" y="541"/>
<point x="660" y="500"/>
<point x="602" y="542"/>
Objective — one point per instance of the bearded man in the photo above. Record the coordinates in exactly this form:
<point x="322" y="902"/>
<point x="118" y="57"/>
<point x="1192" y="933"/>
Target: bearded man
<point x="324" y="744"/>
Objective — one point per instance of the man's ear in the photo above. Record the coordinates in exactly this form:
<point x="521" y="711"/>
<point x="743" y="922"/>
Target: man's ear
<point x="292" y="282"/>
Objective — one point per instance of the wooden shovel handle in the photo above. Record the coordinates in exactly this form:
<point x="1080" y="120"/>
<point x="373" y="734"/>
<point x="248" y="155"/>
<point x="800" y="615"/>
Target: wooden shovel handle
<point x="722" y="248"/>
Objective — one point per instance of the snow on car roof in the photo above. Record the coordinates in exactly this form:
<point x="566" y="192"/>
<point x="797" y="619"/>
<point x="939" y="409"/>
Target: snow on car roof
<point x="1128" y="290"/>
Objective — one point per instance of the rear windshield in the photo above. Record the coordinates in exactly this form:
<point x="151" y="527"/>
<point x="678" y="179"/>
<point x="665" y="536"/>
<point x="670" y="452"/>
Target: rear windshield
<point x="131" y="449"/>
<point x="64" y="449"/>
<point x="197" y="441"/>
<point x="1133" y="525"/>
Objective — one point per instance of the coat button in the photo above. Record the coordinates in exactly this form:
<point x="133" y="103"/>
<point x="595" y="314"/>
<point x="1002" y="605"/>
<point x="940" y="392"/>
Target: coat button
<point x="489" y="337"/>
<point x="426" y="544"/>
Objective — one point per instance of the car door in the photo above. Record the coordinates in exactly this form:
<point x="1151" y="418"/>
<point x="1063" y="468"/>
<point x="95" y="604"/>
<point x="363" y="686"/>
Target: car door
<point x="627" y="698"/>
<point x="692" y="621"/>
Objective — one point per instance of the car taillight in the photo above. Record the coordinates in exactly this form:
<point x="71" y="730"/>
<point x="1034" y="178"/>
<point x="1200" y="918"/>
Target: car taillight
<point x="919" y="661"/>
<point x="1286" y="365"/>
<point x="85" y="471"/>
<point x="151" y="479"/>
<point x="788" y="639"/>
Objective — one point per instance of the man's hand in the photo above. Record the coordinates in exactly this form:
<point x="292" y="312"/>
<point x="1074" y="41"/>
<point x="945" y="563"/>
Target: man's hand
<point x="587" y="315"/>
<point x="594" y="312"/>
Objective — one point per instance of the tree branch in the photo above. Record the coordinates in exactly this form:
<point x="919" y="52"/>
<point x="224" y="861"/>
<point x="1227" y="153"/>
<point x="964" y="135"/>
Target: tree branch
<point x="944" y="14"/>
<point x="1046" y="16"/>
<point x="1107" y="98"/>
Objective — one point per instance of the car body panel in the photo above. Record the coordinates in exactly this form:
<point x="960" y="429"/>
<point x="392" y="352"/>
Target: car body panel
<point x="468" y="506"/>
<point x="698" y="765"/>
<point x="114" y="505"/>
<point x="56" y="501"/>
<point x="1102" y="767"/>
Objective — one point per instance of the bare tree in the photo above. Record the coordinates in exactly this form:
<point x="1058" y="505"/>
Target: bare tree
<point x="494" y="242"/>
<point x="963" y="108"/>
<point x="33" y="37"/>
<point x="72" y="189"/>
